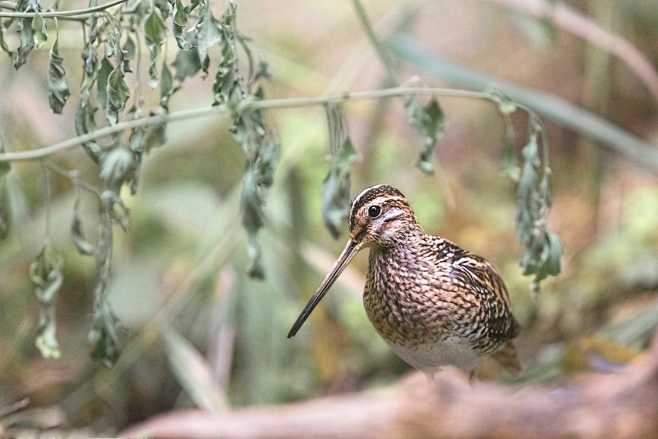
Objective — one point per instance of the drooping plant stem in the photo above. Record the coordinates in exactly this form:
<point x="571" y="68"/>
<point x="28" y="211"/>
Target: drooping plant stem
<point x="283" y="103"/>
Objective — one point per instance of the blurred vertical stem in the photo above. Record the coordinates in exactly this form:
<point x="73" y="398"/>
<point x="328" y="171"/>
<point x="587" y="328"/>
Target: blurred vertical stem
<point x="376" y="122"/>
<point x="427" y="120"/>
<point x="382" y="51"/>
<point x="596" y="96"/>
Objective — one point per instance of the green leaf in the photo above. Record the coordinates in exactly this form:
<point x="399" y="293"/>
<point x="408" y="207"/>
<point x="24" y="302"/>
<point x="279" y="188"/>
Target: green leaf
<point x="85" y="121"/>
<point x="113" y="37"/>
<point x="428" y="121"/>
<point x="117" y="168"/>
<point x="155" y="33"/>
<point x="187" y="64"/>
<point x="228" y="87"/>
<point x="46" y="276"/>
<point x="117" y="95"/>
<point x="102" y="77"/>
<point x="208" y="34"/>
<point x="336" y="187"/>
<point x="40" y="30"/>
<point x="179" y="23"/>
<point x="167" y="88"/>
<point x="58" y="89"/>
<point x="154" y="28"/>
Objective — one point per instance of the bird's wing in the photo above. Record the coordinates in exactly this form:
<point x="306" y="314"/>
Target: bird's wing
<point x="480" y="280"/>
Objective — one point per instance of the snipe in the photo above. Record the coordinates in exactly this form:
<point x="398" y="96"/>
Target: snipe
<point x="433" y="302"/>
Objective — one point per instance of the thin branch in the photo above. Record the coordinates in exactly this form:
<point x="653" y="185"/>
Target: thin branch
<point x="572" y="21"/>
<point x="58" y="14"/>
<point x="552" y="107"/>
<point x="638" y="151"/>
<point x="40" y="153"/>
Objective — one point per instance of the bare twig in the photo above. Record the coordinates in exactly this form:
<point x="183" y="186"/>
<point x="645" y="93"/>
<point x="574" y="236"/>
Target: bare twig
<point x="40" y="153"/>
<point x="58" y="14"/>
<point x="572" y="21"/>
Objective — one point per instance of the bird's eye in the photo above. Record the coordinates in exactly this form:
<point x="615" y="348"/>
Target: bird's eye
<point x="374" y="211"/>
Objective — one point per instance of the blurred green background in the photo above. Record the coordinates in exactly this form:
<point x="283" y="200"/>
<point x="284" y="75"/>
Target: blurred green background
<point x="200" y="333"/>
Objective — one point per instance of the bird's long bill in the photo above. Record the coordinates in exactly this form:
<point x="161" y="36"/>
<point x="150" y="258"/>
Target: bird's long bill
<point x="345" y="257"/>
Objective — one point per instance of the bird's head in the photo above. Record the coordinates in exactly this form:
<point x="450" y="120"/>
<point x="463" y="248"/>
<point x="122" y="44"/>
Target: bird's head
<point x="379" y="216"/>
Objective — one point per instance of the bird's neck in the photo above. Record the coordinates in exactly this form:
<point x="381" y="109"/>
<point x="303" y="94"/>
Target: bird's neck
<point x="404" y="251"/>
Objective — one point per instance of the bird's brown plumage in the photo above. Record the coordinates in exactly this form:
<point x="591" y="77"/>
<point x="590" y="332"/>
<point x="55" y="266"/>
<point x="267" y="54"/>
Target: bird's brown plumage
<point x="434" y="302"/>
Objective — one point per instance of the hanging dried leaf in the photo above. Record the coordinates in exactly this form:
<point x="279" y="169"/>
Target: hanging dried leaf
<point x="39" y="30"/>
<point x="117" y="167"/>
<point x="167" y="88"/>
<point x="428" y="122"/>
<point x="105" y="327"/>
<point x="85" y="121"/>
<point x="208" y="33"/>
<point x="46" y="276"/>
<point x="3" y="42"/>
<point x="26" y="32"/>
<point x="102" y="77"/>
<point x="155" y="33"/>
<point x="85" y="114"/>
<point x="26" y="43"/>
<point x="58" y="89"/>
<point x="336" y="187"/>
<point x="112" y="37"/>
<point x="83" y="246"/>
<point x="128" y="50"/>
<point x="228" y="86"/>
<point x="117" y="95"/>
<point x="543" y="249"/>
<point x="262" y="152"/>
<point x="187" y="64"/>
<point x="183" y="39"/>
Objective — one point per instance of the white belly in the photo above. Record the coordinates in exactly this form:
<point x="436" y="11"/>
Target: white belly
<point x="430" y="357"/>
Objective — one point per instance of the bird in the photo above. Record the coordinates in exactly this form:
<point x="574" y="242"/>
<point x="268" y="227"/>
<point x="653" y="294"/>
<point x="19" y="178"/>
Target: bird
<point x="433" y="302"/>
